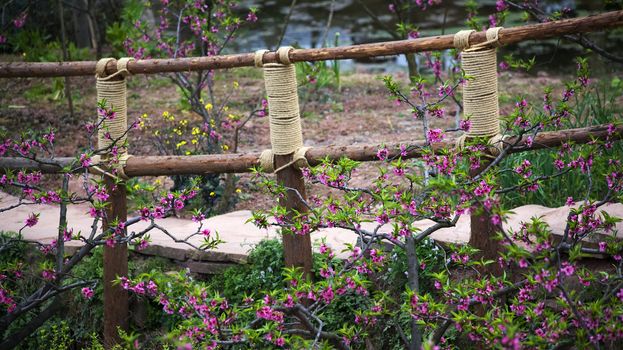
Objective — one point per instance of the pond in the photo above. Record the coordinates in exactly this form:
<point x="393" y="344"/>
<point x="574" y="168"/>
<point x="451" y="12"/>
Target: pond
<point x="354" y="25"/>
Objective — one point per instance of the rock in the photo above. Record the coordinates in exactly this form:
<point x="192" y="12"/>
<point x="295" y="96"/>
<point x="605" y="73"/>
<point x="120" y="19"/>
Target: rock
<point x="240" y="237"/>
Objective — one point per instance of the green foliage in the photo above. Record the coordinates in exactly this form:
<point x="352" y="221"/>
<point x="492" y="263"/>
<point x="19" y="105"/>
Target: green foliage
<point x="261" y="273"/>
<point x="597" y="105"/>
<point x="33" y="45"/>
<point x="56" y="335"/>
<point x="81" y="319"/>
<point x="117" y="32"/>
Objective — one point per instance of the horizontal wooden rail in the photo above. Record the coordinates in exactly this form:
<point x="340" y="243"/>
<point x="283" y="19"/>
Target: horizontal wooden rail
<point x="507" y="36"/>
<point x="241" y="163"/>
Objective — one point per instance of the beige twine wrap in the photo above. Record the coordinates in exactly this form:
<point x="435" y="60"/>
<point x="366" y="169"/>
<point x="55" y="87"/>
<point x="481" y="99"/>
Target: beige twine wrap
<point x="286" y="136"/>
<point x="480" y="93"/>
<point x="114" y="92"/>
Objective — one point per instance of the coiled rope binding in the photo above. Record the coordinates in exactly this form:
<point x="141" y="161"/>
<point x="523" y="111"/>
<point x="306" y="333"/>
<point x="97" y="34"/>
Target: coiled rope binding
<point x="112" y="131"/>
<point x="480" y="91"/>
<point x="286" y="136"/>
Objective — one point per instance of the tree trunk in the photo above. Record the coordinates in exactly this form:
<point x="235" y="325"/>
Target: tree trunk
<point x="82" y="36"/>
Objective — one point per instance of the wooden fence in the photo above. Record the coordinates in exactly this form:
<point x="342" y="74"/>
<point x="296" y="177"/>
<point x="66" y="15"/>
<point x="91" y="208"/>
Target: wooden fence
<point x="297" y="249"/>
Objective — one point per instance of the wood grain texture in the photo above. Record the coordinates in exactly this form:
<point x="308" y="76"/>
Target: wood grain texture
<point x="115" y="265"/>
<point x="483" y="232"/>
<point x="297" y="249"/>
<point x="512" y="35"/>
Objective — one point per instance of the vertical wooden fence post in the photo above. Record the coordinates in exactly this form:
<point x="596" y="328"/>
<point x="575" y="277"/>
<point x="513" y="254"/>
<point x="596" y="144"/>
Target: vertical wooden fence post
<point x="480" y="103"/>
<point x="115" y="265"/>
<point x="112" y="134"/>
<point x="286" y="138"/>
<point x="297" y="249"/>
<point x="483" y="232"/>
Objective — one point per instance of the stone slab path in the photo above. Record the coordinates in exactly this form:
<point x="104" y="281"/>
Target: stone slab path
<point x="238" y="235"/>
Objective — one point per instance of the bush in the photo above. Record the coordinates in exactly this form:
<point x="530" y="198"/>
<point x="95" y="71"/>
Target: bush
<point x="597" y="105"/>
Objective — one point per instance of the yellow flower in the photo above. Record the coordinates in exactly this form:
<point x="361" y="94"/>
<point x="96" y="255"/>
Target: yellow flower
<point x="225" y="108"/>
<point x="158" y="182"/>
<point x="180" y="144"/>
<point x="238" y="190"/>
<point x="212" y="194"/>
<point x="194" y="141"/>
<point x="196" y="131"/>
<point x="136" y="187"/>
<point x="208" y="106"/>
<point x="225" y="147"/>
<point x="168" y="116"/>
<point x="187" y="153"/>
<point x="184" y="122"/>
<point x="236" y="85"/>
<point x="144" y="116"/>
<point x="157" y="132"/>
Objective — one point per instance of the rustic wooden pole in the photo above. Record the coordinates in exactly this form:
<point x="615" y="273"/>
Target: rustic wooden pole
<point x="297" y="249"/>
<point x="116" y="256"/>
<point x="115" y="265"/>
<point x="483" y="231"/>
<point x="286" y="138"/>
<point x="507" y="36"/>
<point x="241" y="163"/>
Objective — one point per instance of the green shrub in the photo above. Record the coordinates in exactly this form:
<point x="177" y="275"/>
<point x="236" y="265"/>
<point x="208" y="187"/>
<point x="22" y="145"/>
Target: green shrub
<point x="597" y="106"/>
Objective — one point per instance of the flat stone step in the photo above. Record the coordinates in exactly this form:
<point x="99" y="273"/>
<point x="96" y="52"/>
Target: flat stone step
<point x="240" y="236"/>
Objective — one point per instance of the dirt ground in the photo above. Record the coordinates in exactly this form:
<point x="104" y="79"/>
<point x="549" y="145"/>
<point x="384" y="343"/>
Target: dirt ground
<point x="361" y="112"/>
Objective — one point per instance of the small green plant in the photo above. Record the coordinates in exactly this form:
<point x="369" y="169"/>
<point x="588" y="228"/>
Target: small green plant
<point x="262" y="272"/>
<point x="56" y="335"/>
<point x="597" y="105"/>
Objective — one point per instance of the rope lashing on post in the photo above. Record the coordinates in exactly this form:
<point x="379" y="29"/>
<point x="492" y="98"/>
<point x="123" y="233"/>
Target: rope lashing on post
<point x="286" y="136"/>
<point x="480" y="92"/>
<point x="113" y="131"/>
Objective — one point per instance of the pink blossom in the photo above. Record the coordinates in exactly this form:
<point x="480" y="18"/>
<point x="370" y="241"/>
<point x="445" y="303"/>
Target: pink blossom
<point x="327" y="294"/>
<point x="465" y="125"/>
<point x="483" y="189"/>
<point x="496" y="219"/>
<point x="178" y="204"/>
<point x="382" y="153"/>
<point x="142" y="244"/>
<point x="435" y="135"/>
<point x="569" y="202"/>
<point x="87" y="292"/>
<point x="251" y="17"/>
<point x="48" y="275"/>
<point x="32" y="220"/>
<point x="20" y="20"/>
<point x="602" y="247"/>
<point x="85" y="160"/>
